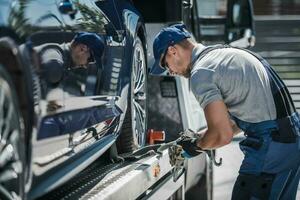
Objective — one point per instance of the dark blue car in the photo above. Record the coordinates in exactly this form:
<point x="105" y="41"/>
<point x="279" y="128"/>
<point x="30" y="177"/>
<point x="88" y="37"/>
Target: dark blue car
<point x="73" y="83"/>
<point x="56" y="117"/>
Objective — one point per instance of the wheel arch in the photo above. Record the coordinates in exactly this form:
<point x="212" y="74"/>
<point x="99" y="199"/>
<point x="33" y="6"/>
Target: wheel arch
<point x="134" y="27"/>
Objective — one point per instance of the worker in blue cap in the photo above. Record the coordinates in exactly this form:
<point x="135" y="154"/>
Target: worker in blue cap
<point x="58" y="64"/>
<point x="55" y="59"/>
<point x="238" y="90"/>
<point x="168" y="37"/>
<point x="86" y="47"/>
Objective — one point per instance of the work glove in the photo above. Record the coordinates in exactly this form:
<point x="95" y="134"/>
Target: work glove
<point x="188" y="140"/>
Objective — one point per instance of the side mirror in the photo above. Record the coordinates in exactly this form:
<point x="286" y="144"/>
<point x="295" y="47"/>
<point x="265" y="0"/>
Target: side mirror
<point x="66" y="7"/>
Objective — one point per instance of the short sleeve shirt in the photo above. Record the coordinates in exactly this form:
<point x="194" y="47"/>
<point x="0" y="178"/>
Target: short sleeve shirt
<point x="235" y="77"/>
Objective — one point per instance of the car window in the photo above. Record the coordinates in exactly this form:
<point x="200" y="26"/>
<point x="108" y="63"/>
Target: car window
<point x="44" y="31"/>
<point x="99" y="17"/>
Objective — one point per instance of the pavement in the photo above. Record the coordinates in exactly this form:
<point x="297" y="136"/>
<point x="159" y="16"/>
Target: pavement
<point x="225" y="175"/>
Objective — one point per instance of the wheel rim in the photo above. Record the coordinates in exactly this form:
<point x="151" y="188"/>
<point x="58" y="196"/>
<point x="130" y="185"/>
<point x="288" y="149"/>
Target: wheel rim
<point x="139" y="95"/>
<point x="10" y="159"/>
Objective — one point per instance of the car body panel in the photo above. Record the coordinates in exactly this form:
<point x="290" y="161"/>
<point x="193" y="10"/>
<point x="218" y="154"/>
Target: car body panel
<point x="80" y="117"/>
<point x="69" y="169"/>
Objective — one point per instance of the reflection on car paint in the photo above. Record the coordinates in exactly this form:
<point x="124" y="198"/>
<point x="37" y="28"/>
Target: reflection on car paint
<point x="77" y="110"/>
<point x="69" y="122"/>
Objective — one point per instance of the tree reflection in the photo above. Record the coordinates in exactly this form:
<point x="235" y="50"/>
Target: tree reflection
<point x="17" y="19"/>
<point x="92" y="20"/>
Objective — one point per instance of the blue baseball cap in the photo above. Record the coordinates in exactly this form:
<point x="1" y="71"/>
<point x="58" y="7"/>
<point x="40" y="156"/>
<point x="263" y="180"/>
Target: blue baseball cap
<point x="93" y="41"/>
<point x="166" y="37"/>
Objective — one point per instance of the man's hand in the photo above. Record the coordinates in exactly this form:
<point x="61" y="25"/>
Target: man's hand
<point x="188" y="141"/>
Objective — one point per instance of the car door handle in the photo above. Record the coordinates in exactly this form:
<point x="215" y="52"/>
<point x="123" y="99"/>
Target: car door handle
<point x="66" y="7"/>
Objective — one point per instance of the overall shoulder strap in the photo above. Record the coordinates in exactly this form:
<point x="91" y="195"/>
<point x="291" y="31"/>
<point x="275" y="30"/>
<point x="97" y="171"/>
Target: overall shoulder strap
<point x="282" y="98"/>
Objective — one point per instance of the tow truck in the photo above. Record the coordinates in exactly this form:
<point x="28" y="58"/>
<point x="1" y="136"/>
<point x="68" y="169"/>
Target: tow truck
<point x="145" y="174"/>
<point x="158" y="170"/>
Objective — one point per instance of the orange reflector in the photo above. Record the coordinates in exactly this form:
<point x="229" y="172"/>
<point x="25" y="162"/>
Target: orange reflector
<point x="155" y="136"/>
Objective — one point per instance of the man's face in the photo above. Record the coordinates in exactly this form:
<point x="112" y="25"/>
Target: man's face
<point x="80" y="54"/>
<point x="177" y="60"/>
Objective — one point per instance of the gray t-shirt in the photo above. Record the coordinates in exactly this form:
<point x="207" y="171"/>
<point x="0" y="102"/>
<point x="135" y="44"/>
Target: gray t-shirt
<point x="237" y="78"/>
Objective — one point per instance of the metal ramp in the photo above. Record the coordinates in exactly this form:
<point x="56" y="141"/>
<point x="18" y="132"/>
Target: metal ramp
<point x="143" y="175"/>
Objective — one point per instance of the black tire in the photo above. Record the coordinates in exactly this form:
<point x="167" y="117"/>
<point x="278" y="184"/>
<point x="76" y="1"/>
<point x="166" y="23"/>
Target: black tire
<point x="12" y="150"/>
<point x="133" y="132"/>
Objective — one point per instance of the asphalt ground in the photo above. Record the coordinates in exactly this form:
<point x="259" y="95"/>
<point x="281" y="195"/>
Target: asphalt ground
<point x="225" y="175"/>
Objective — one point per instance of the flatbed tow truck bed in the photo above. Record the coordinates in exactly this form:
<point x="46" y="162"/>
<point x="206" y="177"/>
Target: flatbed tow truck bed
<point x="145" y="174"/>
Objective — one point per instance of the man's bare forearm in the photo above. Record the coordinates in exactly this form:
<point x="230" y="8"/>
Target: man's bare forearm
<point x="210" y="139"/>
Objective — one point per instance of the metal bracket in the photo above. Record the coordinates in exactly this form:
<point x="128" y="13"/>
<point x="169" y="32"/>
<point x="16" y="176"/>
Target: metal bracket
<point x="176" y="159"/>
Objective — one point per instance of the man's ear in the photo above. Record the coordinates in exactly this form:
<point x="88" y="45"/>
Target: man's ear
<point x="172" y="49"/>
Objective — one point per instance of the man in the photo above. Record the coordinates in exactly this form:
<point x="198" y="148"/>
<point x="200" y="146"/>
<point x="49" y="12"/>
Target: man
<point x="60" y="63"/>
<point x="54" y="59"/>
<point x="238" y="90"/>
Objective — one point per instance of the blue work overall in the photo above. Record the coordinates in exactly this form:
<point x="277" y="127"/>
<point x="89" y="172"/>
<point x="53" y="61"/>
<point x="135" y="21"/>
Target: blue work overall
<point x="271" y="166"/>
<point x="270" y="169"/>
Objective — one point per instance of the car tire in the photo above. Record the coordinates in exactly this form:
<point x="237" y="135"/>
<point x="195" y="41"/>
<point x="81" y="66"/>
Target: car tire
<point x="12" y="149"/>
<point x="133" y="132"/>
